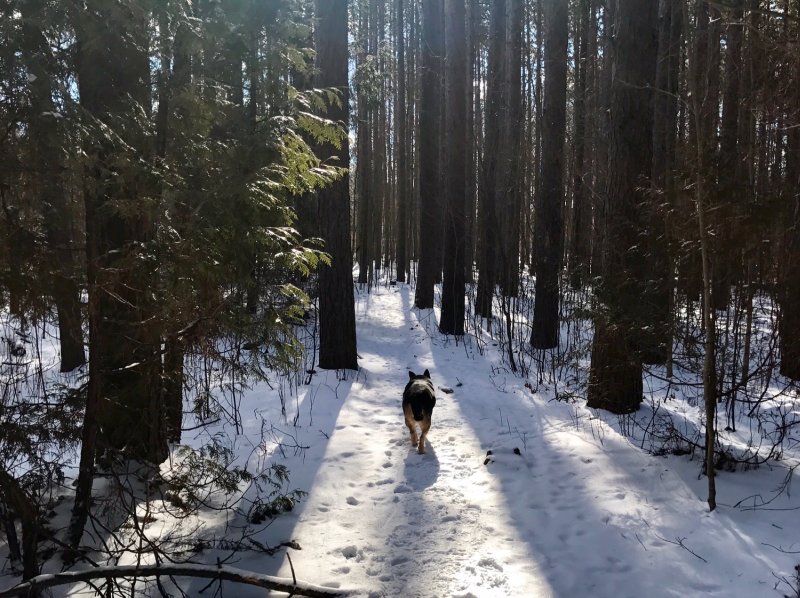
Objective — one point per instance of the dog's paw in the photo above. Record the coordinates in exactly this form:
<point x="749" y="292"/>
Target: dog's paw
<point x="421" y="449"/>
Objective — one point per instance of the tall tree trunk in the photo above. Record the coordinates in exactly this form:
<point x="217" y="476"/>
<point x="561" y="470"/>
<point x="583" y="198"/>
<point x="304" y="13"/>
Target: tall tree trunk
<point x="337" y="323"/>
<point x="615" y="380"/>
<point x="509" y="197"/>
<point x="789" y="330"/>
<point x="726" y="259"/>
<point x="15" y="497"/>
<point x="599" y="231"/>
<point x="490" y="182"/>
<point x="655" y="342"/>
<point x="664" y="150"/>
<point x="364" y="173"/>
<point x="174" y="77"/>
<point x="48" y="164"/>
<point x="539" y="119"/>
<point x="581" y="213"/>
<point x="113" y="70"/>
<point x="430" y="211"/>
<point x="548" y="231"/>
<point x="124" y="412"/>
<point x="401" y="116"/>
<point x="709" y="324"/>
<point x="473" y="91"/>
<point x="453" y="299"/>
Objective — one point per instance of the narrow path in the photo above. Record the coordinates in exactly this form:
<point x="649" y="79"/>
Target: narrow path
<point x="396" y="522"/>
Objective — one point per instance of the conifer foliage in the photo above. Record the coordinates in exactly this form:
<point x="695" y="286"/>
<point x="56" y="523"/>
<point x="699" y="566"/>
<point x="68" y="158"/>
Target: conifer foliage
<point x="151" y="155"/>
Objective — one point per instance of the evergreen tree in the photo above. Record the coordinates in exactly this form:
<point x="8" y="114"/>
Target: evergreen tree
<point x="615" y="381"/>
<point x="336" y="303"/>
<point x="453" y="299"/>
<point x="430" y="119"/>
<point x="548" y="234"/>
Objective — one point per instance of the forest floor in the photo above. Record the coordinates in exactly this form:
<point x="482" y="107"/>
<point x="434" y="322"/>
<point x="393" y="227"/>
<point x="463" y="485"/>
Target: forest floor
<point x="581" y="510"/>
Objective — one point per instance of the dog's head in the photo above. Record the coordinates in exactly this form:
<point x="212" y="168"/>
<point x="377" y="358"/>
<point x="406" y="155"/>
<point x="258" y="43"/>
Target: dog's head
<point x="426" y="375"/>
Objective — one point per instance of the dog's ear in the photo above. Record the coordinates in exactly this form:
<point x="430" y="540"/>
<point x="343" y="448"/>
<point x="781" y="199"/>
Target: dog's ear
<point x="427" y="374"/>
<point x="411" y="375"/>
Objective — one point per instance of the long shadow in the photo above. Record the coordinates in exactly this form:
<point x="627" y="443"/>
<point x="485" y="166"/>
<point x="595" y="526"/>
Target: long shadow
<point x="556" y="505"/>
<point x="548" y="487"/>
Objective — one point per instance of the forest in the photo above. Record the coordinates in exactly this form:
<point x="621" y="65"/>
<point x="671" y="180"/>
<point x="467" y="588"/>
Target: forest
<point x="229" y="229"/>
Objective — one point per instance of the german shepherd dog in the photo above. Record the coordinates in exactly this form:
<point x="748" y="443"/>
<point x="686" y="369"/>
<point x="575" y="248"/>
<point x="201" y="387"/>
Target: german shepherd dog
<point x="418" y="402"/>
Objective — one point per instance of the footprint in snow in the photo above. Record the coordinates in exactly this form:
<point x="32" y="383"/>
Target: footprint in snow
<point x="402" y="489"/>
<point x="448" y="518"/>
<point x="349" y="552"/>
<point x="352" y="500"/>
<point x="490" y="563"/>
<point x="399" y="560"/>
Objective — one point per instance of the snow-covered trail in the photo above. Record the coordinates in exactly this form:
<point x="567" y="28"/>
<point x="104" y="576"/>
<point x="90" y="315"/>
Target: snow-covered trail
<point x="579" y="511"/>
<point x="396" y="522"/>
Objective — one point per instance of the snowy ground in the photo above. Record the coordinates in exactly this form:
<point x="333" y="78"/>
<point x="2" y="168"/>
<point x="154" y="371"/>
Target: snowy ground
<point x="580" y="511"/>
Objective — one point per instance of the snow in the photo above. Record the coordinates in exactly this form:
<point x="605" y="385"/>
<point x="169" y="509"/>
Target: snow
<point x="578" y="509"/>
<point x="581" y="510"/>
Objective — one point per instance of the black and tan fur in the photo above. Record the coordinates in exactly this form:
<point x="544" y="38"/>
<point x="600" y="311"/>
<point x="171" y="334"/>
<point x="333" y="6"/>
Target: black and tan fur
<point x="418" y="402"/>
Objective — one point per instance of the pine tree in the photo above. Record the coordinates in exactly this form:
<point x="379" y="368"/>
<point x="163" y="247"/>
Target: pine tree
<point x="615" y="379"/>
<point x="336" y="302"/>
<point x="456" y="98"/>
<point x="548" y="234"/>
<point x="430" y="118"/>
<point x="491" y="181"/>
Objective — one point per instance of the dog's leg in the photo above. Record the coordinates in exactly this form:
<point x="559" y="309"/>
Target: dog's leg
<point x="425" y="425"/>
<point x="412" y="425"/>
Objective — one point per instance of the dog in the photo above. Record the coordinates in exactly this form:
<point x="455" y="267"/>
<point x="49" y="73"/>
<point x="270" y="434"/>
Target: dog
<point x="418" y="402"/>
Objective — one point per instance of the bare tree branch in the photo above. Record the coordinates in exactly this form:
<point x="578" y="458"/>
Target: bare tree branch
<point x="223" y="573"/>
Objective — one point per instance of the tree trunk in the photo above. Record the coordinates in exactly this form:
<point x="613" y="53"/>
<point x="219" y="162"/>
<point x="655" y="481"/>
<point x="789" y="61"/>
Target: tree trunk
<point x="473" y="109"/>
<point x="789" y="330"/>
<point x="548" y="230"/>
<point x="113" y="71"/>
<point x="731" y="187"/>
<point x="48" y="164"/>
<point x="123" y="411"/>
<point x="493" y="155"/>
<point x="402" y="148"/>
<point x="15" y="497"/>
<point x="453" y="299"/>
<point x="337" y="323"/>
<point x="364" y="178"/>
<point x="599" y="232"/>
<point x="430" y="212"/>
<point x="615" y="376"/>
<point x="509" y="195"/>
<point x="579" y="255"/>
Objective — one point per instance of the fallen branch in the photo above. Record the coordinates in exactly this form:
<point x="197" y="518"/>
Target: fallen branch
<point x="676" y="542"/>
<point x="221" y="572"/>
